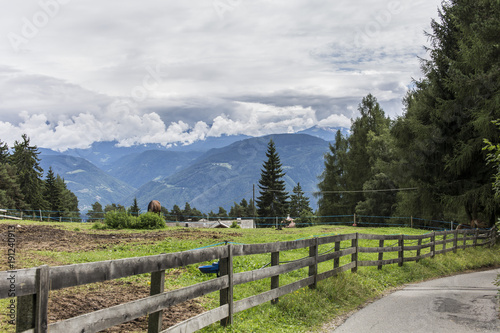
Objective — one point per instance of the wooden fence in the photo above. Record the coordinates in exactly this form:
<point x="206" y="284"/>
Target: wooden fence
<point x="32" y="286"/>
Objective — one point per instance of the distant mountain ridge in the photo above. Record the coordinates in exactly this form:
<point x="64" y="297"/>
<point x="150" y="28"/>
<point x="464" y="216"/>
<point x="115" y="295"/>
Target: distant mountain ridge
<point x="226" y="175"/>
<point x="207" y="174"/>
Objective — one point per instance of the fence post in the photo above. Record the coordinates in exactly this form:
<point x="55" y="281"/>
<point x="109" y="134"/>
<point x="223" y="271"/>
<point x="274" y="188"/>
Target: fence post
<point x="433" y="244"/>
<point x="411" y="221"/>
<point x="336" y="261"/>
<point x="226" y="295"/>
<point x="401" y="244"/>
<point x="455" y="241"/>
<point x="155" y="319"/>
<point x="42" y="301"/>
<point x="444" y="243"/>
<point x="313" y="269"/>
<point x="275" y="280"/>
<point x="419" y="243"/>
<point x="380" y="254"/>
<point x="354" y="256"/>
<point x="32" y="309"/>
<point x="476" y="234"/>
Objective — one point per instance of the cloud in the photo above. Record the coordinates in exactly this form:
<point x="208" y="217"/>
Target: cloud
<point x="177" y="72"/>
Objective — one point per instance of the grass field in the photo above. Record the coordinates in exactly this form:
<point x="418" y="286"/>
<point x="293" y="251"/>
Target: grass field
<point x="303" y="311"/>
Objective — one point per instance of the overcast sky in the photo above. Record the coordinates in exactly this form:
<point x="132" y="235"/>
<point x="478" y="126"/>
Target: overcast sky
<point x="73" y="72"/>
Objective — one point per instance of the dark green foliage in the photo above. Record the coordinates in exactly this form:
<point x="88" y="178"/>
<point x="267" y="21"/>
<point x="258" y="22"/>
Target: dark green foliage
<point x="298" y="202"/>
<point x="134" y="209"/>
<point x="273" y="196"/>
<point x="4" y="152"/>
<point x="243" y="209"/>
<point x="149" y="220"/>
<point x="354" y="164"/>
<point x="119" y="220"/>
<point x="27" y="163"/>
<point x="11" y="195"/>
<point x="114" y="207"/>
<point x="52" y="194"/>
<point x="449" y="113"/>
<point x="332" y="180"/>
<point x="21" y="185"/>
<point x="96" y="213"/>
<point x="116" y="219"/>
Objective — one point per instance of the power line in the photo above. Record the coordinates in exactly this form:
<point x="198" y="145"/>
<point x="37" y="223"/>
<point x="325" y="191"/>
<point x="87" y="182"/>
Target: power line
<point x="358" y="191"/>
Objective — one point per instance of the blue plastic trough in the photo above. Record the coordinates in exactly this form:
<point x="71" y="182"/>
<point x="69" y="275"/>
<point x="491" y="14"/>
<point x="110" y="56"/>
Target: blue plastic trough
<point x="214" y="268"/>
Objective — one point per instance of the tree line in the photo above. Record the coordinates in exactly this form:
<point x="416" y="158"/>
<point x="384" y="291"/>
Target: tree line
<point x="430" y="161"/>
<point x="22" y="186"/>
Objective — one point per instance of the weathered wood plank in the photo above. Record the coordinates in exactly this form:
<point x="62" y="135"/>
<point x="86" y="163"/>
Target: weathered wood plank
<point x="335" y="238"/>
<point x="200" y="321"/>
<point x="79" y="274"/>
<point x="250" y="249"/>
<point x="335" y="255"/>
<point x="417" y="237"/>
<point x="381" y="254"/>
<point x="252" y="301"/>
<point x="42" y="299"/>
<point x="379" y="249"/>
<point x="336" y="271"/>
<point x="155" y="319"/>
<point x="275" y="279"/>
<point x="378" y="262"/>
<point x="109" y="317"/>
<point x="354" y="256"/>
<point x="313" y="268"/>
<point x="20" y="282"/>
<point x="258" y="274"/>
<point x="378" y="237"/>
<point x="226" y="294"/>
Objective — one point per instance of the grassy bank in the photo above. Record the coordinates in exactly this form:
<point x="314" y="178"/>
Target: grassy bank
<point x="304" y="310"/>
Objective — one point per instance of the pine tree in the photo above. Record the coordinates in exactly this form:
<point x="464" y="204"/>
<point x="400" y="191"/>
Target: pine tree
<point x="95" y="213"/>
<point x="299" y="202"/>
<point x="332" y="180"/>
<point x="272" y="201"/>
<point x="358" y="169"/>
<point x="134" y="209"/>
<point x="450" y="112"/>
<point x="27" y="163"/>
<point x="4" y="152"/>
<point x="11" y="196"/>
<point x="52" y="194"/>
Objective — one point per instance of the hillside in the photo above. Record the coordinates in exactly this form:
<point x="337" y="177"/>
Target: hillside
<point x="88" y="182"/>
<point x="226" y="175"/>
<point x="138" y="169"/>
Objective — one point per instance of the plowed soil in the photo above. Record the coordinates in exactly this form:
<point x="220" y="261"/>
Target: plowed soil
<point x="71" y="302"/>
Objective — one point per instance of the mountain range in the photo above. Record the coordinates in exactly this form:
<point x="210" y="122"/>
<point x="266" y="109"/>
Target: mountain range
<point x="207" y="174"/>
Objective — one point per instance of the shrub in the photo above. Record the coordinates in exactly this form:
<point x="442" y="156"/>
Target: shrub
<point x="118" y="220"/>
<point x="235" y="225"/>
<point x="123" y="220"/>
<point x="149" y="221"/>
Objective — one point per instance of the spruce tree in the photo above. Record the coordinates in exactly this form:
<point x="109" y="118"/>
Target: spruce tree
<point x="53" y="194"/>
<point x="272" y="201"/>
<point x="95" y="213"/>
<point x="299" y="202"/>
<point x="27" y="163"/>
<point x="332" y="180"/>
<point x="450" y="112"/>
<point x="134" y="209"/>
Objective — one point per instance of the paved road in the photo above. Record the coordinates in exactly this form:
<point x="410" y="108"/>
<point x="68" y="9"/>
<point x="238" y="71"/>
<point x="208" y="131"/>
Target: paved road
<point x="461" y="303"/>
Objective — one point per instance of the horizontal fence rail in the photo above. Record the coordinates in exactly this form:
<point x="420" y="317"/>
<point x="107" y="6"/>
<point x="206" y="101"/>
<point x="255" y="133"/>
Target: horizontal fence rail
<point x="32" y="286"/>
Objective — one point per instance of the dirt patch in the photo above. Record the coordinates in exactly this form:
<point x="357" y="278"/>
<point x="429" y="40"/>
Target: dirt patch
<point x="72" y="302"/>
<point x="48" y="238"/>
